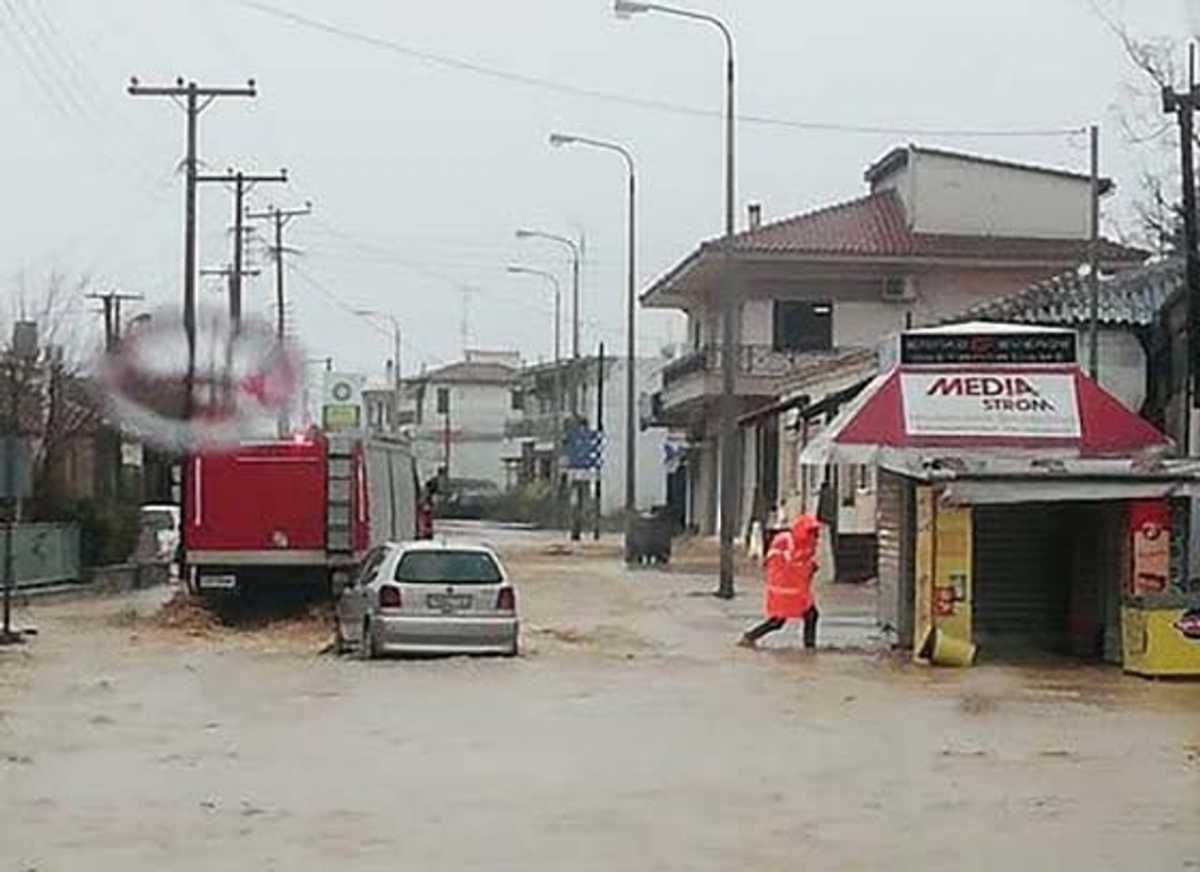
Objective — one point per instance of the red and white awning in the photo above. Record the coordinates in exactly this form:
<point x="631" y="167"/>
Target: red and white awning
<point x="1048" y="411"/>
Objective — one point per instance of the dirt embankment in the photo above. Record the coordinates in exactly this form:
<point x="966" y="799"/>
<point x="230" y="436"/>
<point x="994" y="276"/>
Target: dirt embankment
<point x="302" y="624"/>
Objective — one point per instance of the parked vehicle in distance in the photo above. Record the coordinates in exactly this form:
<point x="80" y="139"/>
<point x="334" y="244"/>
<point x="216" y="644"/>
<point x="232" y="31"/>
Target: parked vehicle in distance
<point x="466" y="498"/>
<point x="162" y="519"/>
<point x="429" y="598"/>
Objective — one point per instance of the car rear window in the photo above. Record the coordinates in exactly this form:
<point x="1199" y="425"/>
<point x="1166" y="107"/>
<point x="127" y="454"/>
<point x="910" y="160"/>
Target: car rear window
<point x="158" y="519"/>
<point x="447" y="567"/>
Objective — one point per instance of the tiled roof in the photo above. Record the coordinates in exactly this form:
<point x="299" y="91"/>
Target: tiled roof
<point x="876" y="226"/>
<point x="1132" y="298"/>
<point x="469" y="372"/>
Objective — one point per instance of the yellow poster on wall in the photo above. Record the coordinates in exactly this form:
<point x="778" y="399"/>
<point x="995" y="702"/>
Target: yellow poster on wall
<point x="1161" y="641"/>
<point x="952" y="572"/>
<point x="923" y="568"/>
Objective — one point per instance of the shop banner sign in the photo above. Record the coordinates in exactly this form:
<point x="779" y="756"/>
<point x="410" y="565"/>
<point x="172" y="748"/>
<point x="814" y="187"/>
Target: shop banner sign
<point x="1033" y="405"/>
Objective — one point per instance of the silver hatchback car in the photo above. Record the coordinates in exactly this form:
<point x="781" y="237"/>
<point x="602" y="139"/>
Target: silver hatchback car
<point x="429" y="598"/>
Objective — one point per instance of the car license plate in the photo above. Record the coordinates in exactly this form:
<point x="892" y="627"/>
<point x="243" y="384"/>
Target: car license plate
<point x="217" y="582"/>
<point x="445" y="602"/>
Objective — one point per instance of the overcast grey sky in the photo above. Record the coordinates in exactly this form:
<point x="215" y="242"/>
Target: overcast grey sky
<point x="419" y="174"/>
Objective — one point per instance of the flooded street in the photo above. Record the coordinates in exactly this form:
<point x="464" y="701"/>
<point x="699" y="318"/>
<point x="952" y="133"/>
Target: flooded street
<point x="631" y="734"/>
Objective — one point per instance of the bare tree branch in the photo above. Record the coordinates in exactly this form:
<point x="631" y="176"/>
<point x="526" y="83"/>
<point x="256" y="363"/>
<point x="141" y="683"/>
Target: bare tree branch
<point x="1142" y="125"/>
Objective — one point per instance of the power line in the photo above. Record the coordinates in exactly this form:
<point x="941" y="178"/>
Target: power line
<point x="35" y="71"/>
<point x="51" y="39"/>
<point x="280" y="218"/>
<point x="313" y="282"/>
<point x="423" y="268"/>
<point x="513" y="77"/>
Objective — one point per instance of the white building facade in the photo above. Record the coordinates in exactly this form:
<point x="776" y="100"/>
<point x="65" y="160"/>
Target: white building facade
<point x="456" y="415"/>
<point x="936" y="233"/>
<point x="531" y="428"/>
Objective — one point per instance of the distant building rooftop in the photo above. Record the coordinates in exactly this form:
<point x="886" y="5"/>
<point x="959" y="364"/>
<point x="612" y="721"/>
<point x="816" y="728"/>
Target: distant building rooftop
<point x="1131" y="298"/>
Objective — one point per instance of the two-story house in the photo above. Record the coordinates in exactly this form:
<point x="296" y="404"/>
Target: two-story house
<point x="457" y="414"/>
<point x="936" y="232"/>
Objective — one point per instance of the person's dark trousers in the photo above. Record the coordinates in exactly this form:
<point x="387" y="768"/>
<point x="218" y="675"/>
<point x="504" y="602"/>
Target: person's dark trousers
<point x="770" y="625"/>
<point x="810" y="627"/>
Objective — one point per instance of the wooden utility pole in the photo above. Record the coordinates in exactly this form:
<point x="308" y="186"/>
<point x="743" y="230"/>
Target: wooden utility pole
<point x="194" y="99"/>
<point x="111" y="310"/>
<point x="228" y="272"/>
<point x="600" y="430"/>
<point x="111" y="437"/>
<point x="1184" y="107"/>
<point x="242" y="184"/>
<point x="1094" y="261"/>
<point x="280" y="218"/>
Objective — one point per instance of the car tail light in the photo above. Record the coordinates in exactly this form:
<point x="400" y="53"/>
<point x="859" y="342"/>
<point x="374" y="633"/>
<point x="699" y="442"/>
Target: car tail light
<point x="389" y="597"/>
<point x="507" y="600"/>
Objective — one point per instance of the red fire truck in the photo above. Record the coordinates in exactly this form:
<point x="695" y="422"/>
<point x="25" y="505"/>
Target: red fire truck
<point x="297" y="511"/>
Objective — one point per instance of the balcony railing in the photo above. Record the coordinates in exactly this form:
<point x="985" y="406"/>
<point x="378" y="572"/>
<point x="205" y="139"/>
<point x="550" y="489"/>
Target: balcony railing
<point x="749" y="360"/>
<point x="536" y="426"/>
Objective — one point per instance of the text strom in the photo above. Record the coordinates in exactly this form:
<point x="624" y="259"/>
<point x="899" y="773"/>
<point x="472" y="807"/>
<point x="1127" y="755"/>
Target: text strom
<point x="1010" y="393"/>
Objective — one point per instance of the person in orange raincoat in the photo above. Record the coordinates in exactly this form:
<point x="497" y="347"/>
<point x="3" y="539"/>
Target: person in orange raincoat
<point x="789" y="567"/>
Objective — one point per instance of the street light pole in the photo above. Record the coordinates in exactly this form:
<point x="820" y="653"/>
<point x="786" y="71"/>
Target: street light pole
<point x="560" y="139"/>
<point x="574" y="248"/>
<point x="396" y="380"/>
<point x="557" y="404"/>
<point x="728" y="404"/>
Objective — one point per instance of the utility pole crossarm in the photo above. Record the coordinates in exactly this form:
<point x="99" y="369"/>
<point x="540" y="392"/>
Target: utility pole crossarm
<point x="233" y="178"/>
<point x="182" y="88"/>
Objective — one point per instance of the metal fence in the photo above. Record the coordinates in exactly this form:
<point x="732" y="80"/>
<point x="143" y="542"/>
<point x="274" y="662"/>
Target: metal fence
<point x="45" y="553"/>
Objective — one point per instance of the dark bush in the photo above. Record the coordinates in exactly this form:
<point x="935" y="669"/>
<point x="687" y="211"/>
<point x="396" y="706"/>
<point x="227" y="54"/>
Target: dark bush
<point x="108" y="530"/>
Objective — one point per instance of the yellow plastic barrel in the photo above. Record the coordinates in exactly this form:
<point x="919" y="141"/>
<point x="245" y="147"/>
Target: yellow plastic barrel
<point x="945" y="650"/>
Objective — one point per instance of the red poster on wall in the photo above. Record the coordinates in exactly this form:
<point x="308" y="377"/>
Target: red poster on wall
<point x="1150" y="532"/>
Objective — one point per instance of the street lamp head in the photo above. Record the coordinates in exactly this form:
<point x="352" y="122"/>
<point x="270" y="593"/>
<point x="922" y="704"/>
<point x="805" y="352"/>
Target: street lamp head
<point x="516" y="269"/>
<point x="525" y="234"/>
<point x="628" y="8"/>
<point x="560" y="139"/>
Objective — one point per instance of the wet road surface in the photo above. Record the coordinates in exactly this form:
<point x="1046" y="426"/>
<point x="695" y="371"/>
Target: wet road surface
<point x="630" y="735"/>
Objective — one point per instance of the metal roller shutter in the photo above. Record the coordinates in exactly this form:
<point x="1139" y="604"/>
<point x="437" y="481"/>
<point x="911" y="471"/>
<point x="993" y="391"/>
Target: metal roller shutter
<point x="893" y="511"/>
<point x="1021" y="578"/>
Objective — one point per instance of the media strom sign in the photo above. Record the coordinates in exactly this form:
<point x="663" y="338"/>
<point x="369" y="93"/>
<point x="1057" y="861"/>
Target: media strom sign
<point x="1021" y="404"/>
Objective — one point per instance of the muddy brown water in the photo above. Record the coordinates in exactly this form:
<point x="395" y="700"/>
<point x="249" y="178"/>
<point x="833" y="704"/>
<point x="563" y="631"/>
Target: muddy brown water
<point x="630" y="735"/>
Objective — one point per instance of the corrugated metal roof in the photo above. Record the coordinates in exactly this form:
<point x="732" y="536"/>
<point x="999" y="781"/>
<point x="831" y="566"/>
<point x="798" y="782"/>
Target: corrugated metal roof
<point x="1131" y="298"/>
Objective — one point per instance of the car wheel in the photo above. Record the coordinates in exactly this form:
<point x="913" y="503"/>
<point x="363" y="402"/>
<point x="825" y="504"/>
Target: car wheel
<point x="366" y="646"/>
<point x="514" y="649"/>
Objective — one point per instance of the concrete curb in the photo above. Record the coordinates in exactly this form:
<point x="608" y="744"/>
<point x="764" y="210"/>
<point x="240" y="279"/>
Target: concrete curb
<point x="99" y="581"/>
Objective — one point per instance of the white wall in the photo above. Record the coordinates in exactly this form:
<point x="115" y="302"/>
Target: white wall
<point x="861" y="317"/>
<point x="864" y="324"/>
<point x="651" y="479"/>
<point x="758" y="317"/>
<point x="952" y="195"/>
<point x="946" y="293"/>
<point x="477" y="416"/>
<point x="474" y="408"/>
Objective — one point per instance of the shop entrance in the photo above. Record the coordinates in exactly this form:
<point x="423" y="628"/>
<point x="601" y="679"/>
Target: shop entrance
<point x="1046" y="578"/>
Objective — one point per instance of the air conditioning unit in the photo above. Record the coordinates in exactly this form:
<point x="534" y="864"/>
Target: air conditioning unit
<point x="899" y="289"/>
